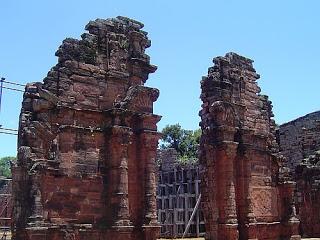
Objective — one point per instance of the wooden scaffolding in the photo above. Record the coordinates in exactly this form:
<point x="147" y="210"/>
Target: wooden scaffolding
<point x="178" y="198"/>
<point x="5" y="208"/>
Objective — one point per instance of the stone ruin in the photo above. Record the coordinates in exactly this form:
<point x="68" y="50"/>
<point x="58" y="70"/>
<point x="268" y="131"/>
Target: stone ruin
<point x="307" y="176"/>
<point x="87" y="141"/>
<point x="244" y="197"/>
<point x="300" y="144"/>
<point x="299" y="139"/>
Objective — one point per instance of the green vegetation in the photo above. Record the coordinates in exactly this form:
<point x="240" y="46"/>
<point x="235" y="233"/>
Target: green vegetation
<point x="5" y="170"/>
<point x="185" y="142"/>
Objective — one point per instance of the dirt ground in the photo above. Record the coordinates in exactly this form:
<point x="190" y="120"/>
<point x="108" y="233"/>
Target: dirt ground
<point x="9" y="237"/>
<point x="203" y="238"/>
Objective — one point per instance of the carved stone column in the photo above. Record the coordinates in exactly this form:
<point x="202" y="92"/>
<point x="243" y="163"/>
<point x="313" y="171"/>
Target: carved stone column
<point x="228" y="222"/>
<point x="36" y="217"/>
<point x="119" y="142"/>
<point x="249" y="230"/>
<point x="148" y="142"/>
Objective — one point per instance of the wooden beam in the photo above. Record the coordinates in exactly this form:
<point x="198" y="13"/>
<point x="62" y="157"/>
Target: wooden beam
<point x="192" y="215"/>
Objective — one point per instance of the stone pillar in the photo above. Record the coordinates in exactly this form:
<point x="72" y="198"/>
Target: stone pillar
<point x="250" y="223"/>
<point x="228" y="223"/>
<point x="293" y="221"/>
<point x="209" y="182"/>
<point x="148" y="142"/>
<point x="118" y="147"/>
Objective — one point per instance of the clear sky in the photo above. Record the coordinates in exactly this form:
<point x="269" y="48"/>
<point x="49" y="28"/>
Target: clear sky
<point x="282" y="36"/>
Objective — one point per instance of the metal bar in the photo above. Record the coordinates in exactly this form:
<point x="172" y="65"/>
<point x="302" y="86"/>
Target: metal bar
<point x="192" y="215"/>
<point x="14" y="89"/>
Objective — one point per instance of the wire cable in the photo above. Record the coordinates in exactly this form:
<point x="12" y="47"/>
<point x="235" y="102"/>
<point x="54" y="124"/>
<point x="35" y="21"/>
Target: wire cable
<point x="13" y="83"/>
<point x="2" y="81"/>
<point x="9" y="129"/>
<point x="14" y="89"/>
<point x="9" y="133"/>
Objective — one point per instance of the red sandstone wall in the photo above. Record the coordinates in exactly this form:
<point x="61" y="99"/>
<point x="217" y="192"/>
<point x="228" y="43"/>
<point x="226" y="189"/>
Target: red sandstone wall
<point x="88" y="140"/>
<point x="307" y="175"/>
<point x="300" y="143"/>
<point x="244" y="198"/>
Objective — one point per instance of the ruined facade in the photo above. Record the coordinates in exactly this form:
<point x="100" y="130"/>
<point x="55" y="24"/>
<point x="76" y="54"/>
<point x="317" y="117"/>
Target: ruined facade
<point x="87" y="141"/>
<point x="244" y="196"/>
<point x="300" y="143"/>
<point x="307" y="175"/>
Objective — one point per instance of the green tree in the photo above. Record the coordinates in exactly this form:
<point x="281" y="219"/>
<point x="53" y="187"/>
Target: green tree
<point x="185" y="142"/>
<point x="5" y="169"/>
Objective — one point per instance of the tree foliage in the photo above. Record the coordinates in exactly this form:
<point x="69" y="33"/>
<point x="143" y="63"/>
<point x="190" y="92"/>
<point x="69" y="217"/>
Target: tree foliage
<point x="5" y="169"/>
<point x="185" y="142"/>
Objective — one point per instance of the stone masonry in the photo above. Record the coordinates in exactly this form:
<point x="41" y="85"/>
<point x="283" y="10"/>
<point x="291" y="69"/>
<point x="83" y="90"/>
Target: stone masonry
<point x="85" y="132"/>
<point x="299" y="138"/>
<point x="244" y="197"/>
<point x="300" y="144"/>
<point x="307" y="176"/>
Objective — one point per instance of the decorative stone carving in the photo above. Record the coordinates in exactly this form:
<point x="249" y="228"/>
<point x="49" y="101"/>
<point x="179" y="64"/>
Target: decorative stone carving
<point x="243" y="197"/>
<point x="88" y="140"/>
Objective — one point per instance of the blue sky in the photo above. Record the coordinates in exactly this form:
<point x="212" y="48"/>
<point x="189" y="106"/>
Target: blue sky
<point x="281" y="36"/>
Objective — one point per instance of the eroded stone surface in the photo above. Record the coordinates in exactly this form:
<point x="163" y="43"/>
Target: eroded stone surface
<point x="84" y="132"/>
<point x="299" y="138"/>
<point x="243" y="195"/>
<point x="307" y="175"/>
<point x="300" y="144"/>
